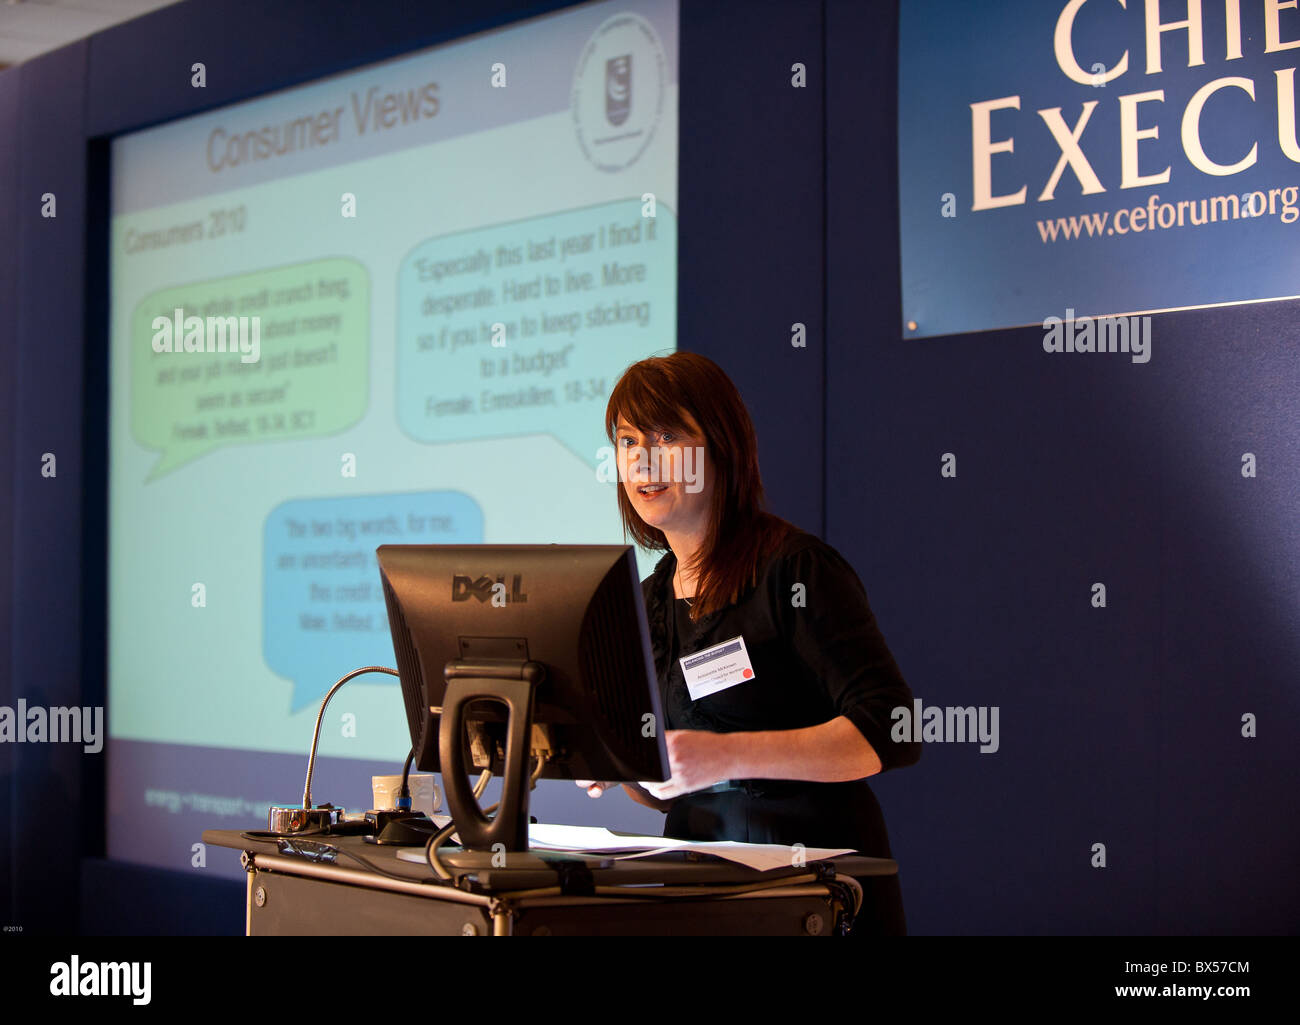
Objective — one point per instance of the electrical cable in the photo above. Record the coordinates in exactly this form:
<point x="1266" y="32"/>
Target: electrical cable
<point x="439" y="838"/>
<point x="405" y="793"/>
<point x="856" y="887"/>
<point x="337" y="851"/>
<point x="267" y="835"/>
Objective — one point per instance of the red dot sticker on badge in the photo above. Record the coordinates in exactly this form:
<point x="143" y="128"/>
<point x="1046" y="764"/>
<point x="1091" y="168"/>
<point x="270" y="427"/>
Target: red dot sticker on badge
<point x="748" y="673"/>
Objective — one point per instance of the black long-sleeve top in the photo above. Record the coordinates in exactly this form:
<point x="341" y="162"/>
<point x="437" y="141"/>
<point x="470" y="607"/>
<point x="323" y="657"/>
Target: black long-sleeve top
<point x="816" y="650"/>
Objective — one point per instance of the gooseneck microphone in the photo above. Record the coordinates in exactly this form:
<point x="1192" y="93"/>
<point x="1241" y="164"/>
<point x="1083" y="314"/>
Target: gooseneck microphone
<point x="283" y="819"/>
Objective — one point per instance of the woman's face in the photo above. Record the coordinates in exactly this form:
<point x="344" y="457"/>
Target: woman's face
<point x="666" y="475"/>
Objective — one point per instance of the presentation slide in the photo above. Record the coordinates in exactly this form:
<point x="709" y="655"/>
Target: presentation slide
<point x="385" y="307"/>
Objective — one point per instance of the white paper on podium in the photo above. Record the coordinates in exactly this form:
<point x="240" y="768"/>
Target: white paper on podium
<point x="605" y="842"/>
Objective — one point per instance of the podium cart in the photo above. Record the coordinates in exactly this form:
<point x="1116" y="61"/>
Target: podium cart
<point x="365" y="889"/>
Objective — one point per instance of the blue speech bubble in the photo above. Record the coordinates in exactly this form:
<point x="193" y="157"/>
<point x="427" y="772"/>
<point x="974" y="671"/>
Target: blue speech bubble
<point x="524" y="328"/>
<point x="324" y="612"/>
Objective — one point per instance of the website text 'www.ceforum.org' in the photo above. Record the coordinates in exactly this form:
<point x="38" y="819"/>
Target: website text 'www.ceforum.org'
<point x="1155" y="215"/>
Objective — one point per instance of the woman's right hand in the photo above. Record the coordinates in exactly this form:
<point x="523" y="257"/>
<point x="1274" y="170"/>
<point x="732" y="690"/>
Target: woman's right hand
<point x="635" y="791"/>
<point x="593" y="787"/>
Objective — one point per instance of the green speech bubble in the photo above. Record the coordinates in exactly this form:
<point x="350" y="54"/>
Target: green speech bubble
<point x="311" y="373"/>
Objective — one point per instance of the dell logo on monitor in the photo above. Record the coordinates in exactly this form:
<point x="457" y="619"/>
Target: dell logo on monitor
<point x="463" y="588"/>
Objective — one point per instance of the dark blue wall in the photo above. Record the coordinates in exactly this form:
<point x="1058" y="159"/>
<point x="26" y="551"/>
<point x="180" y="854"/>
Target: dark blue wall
<point x="9" y="106"/>
<point x="1118" y="726"/>
<point x="52" y="818"/>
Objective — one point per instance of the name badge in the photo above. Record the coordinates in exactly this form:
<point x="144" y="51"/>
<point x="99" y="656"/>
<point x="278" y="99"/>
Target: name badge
<point x="717" y="668"/>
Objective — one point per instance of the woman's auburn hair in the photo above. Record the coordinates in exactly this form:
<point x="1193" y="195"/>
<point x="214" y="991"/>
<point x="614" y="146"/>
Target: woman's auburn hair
<point x="663" y="393"/>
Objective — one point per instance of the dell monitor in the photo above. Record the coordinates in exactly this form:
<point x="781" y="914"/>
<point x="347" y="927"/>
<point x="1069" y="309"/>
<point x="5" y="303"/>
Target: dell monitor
<point x="510" y="651"/>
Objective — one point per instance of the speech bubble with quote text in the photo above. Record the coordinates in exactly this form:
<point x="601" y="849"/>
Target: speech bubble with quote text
<point x="569" y="299"/>
<point x="323" y="611"/>
<point x="311" y="377"/>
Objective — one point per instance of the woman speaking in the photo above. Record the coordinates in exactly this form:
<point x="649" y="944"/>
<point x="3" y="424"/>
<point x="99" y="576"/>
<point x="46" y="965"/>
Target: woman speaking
<point x="781" y="753"/>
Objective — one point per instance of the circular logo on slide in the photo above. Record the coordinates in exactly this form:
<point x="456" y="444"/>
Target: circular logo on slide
<point x="618" y="92"/>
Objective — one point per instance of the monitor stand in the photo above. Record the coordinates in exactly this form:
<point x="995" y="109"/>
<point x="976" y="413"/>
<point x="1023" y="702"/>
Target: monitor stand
<point x="513" y="683"/>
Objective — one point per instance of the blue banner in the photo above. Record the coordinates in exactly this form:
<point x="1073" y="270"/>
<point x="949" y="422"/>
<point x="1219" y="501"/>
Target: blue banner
<point x="1095" y="158"/>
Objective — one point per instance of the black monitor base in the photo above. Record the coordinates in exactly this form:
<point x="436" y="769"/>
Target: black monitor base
<point x="511" y="682"/>
<point x="479" y="861"/>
